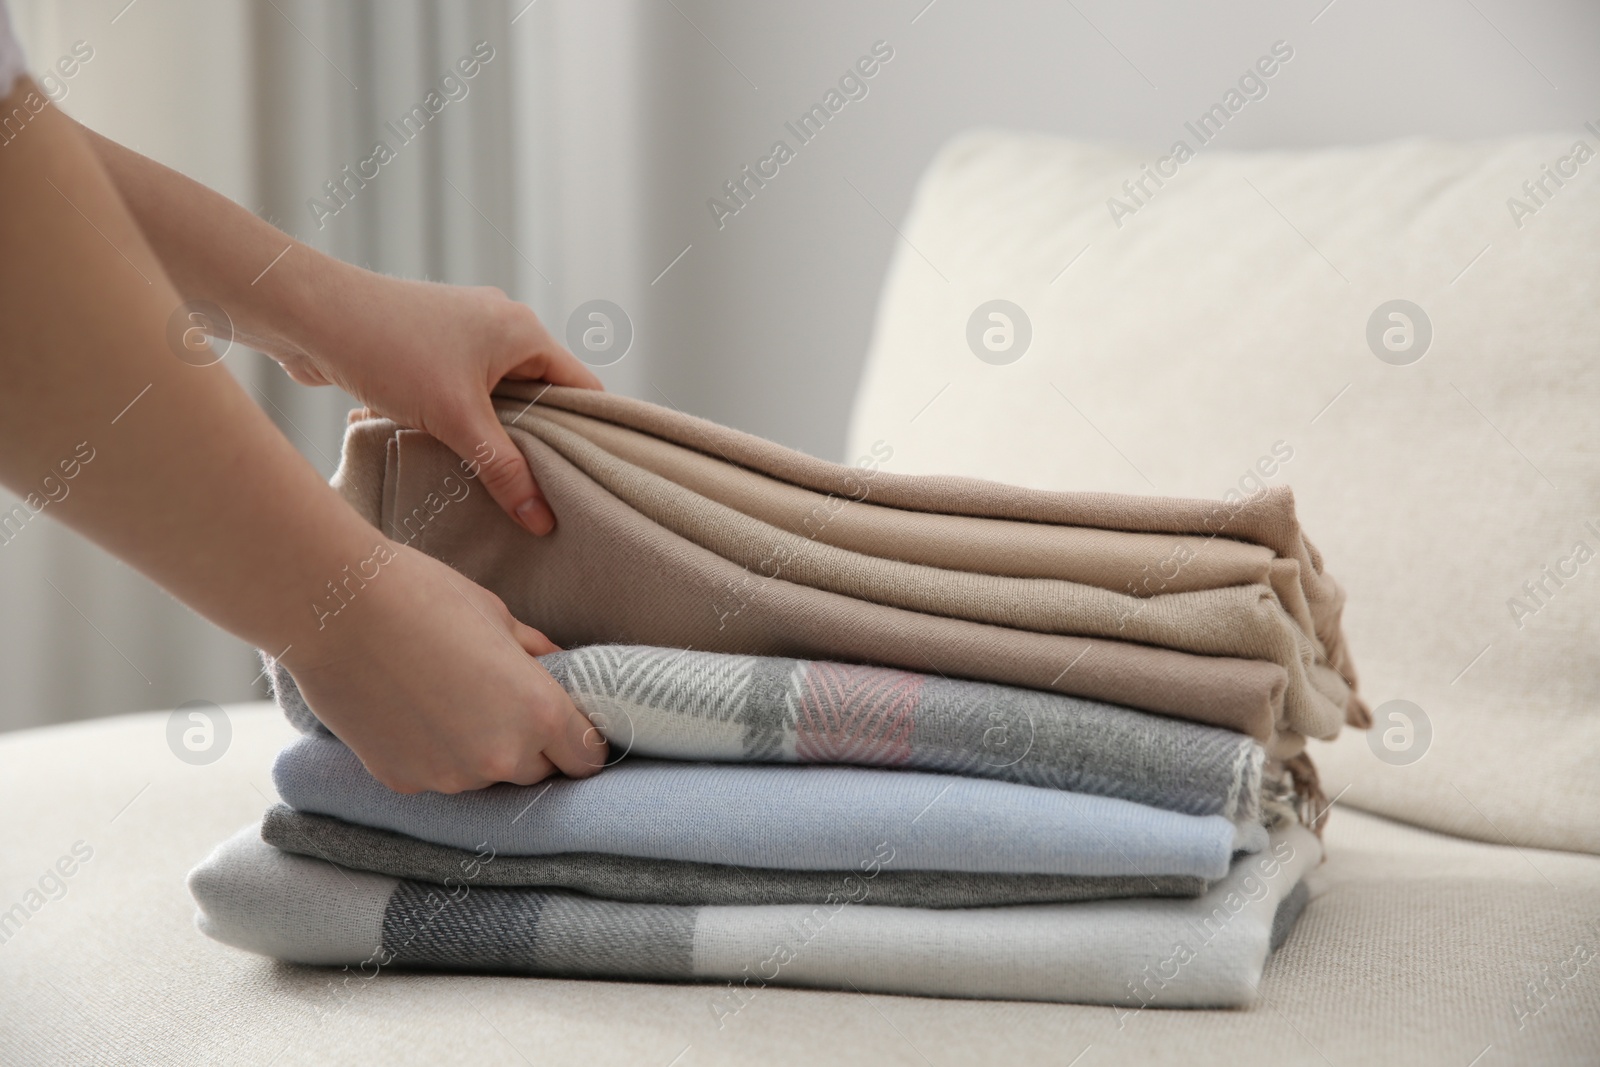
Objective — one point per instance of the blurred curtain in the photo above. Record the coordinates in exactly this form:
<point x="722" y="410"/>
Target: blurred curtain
<point x="331" y="81"/>
<point x="527" y="182"/>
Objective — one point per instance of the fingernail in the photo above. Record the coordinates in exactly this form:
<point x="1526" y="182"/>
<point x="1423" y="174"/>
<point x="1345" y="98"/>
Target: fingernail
<point x="536" y="517"/>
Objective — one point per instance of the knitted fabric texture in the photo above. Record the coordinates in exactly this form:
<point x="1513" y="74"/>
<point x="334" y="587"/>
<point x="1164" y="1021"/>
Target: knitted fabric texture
<point x="790" y="818"/>
<point x="675" y="704"/>
<point x="1207" y="952"/>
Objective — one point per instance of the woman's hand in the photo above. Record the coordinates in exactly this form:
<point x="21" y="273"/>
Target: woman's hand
<point x="425" y="675"/>
<point x="429" y="679"/>
<point x="427" y="356"/>
<point x="423" y="354"/>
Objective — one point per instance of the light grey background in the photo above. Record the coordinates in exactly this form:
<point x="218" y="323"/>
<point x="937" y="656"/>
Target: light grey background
<point x="580" y="167"/>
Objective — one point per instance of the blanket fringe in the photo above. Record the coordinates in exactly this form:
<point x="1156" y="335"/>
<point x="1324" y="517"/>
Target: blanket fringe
<point x="1311" y="803"/>
<point x="1357" y="713"/>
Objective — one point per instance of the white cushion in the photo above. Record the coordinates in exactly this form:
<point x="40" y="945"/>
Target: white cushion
<point x="1415" y="948"/>
<point x="1227" y="317"/>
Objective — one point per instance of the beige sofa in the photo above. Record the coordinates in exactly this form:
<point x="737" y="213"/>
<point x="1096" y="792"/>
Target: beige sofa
<point x="1225" y="317"/>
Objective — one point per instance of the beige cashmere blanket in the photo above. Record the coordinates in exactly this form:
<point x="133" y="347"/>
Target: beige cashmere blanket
<point x="676" y="531"/>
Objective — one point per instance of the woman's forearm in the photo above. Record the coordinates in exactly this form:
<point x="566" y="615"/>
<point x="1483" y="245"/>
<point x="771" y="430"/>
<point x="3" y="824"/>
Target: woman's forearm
<point x="172" y="467"/>
<point x="270" y="285"/>
<point x="423" y="354"/>
<point x="426" y="676"/>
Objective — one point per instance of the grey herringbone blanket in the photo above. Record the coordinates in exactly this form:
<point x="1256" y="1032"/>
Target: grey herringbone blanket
<point x="676" y="704"/>
<point x="652" y="881"/>
<point x="1206" y="952"/>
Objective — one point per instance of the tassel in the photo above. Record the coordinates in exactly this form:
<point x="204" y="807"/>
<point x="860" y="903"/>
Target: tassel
<point x="1357" y="713"/>
<point x="1311" y="802"/>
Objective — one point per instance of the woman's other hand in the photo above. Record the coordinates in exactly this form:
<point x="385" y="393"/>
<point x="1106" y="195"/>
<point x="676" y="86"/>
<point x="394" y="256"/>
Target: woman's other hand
<point x="429" y="679"/>
<point x="427" y="356"/>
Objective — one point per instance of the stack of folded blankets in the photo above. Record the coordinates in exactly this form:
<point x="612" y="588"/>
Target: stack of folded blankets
<point x="895" y="733"/>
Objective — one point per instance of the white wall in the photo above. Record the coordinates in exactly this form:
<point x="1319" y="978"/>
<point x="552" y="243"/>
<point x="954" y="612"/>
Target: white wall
<point x="764" y="324"/>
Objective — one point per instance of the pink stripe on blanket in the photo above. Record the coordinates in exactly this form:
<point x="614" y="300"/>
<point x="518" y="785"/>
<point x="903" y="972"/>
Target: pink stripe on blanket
<point x="852" y="714"/>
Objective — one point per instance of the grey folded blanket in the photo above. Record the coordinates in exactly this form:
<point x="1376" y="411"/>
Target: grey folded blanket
<point x="1205" y="952"/>
<point x="652" y="881"/>
<point x="676" y="704"/>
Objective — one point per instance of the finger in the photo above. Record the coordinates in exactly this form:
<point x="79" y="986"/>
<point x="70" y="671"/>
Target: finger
<point x="504" y="472"/>
<point x="556" y="365"/>
<point x="535" y="768"/>
<point x="578" y="748"/>
<point x="303" y="373"/>
<point x="532" y="641"/>
<point x="564" y="368"/>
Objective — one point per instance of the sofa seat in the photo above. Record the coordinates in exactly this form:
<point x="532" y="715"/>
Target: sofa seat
<point x="1415" y="948"/>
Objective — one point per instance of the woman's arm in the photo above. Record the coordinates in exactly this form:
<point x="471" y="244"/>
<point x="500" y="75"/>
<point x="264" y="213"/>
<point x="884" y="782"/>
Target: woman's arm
<point x="422" y="354"/>
<point x="177" y="472"/>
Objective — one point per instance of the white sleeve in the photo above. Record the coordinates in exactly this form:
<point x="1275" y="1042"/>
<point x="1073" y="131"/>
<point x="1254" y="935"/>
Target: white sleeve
<point x="13" y="64"/>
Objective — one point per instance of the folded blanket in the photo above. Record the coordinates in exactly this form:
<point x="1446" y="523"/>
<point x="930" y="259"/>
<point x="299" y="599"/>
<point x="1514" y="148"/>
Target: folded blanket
<point x="651" y="881"/>
<point x="821" y="818"/>
<point x="1243" y="620"/>
<point x="653" y="439"/>
<point x="1206" y="952"/>
<point x="714" y="554"/>
<point x="683" y="705"/>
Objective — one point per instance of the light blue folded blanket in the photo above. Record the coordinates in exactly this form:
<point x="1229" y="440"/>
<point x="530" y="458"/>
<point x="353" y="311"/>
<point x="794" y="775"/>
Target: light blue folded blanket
<point x="794" y="818"/>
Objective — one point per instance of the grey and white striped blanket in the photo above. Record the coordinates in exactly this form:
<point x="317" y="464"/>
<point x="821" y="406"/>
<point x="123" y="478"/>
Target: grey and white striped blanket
<point x="1205" y="952"/>
<point x="677" y="704"/>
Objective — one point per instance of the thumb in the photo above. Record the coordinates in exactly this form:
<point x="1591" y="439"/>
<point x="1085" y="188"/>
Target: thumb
<point x="532" y="641"/>
<point x="502" y="470"/>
